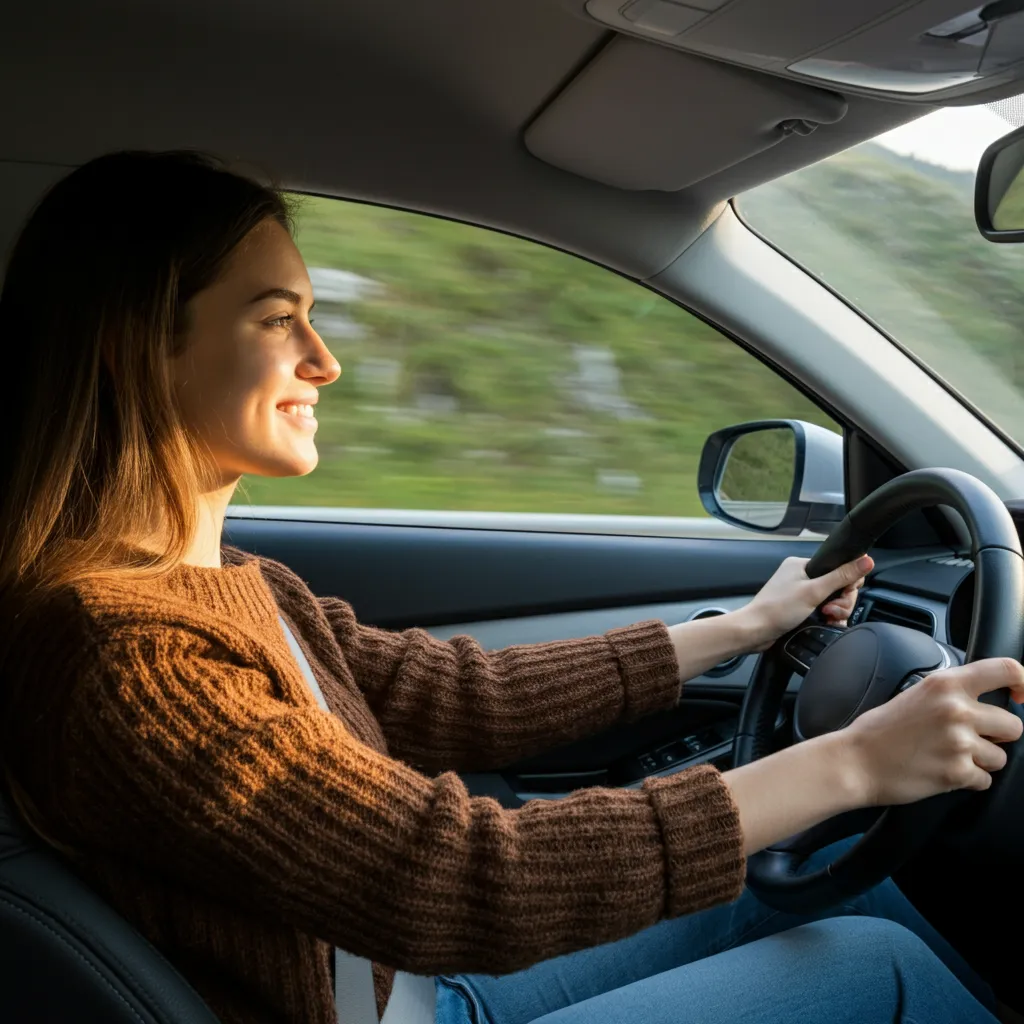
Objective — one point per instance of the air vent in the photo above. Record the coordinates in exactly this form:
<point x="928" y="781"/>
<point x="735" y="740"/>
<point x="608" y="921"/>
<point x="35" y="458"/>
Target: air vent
<point x="723" y="668"/>
<point x="901" y="615"/>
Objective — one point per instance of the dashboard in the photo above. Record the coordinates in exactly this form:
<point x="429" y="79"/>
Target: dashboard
<point x="934" y="595"/>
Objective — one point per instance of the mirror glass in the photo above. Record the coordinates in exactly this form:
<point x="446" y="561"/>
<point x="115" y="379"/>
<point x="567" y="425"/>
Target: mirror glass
<point x="757" y="476"/>
<point x="1006" y="189"/>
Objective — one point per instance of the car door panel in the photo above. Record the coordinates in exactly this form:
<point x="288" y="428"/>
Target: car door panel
<point x="532" y="629"/>
<point x="400" y="576"/>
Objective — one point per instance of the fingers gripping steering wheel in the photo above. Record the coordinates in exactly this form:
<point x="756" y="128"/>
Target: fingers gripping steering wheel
<point x="849" y="671"/>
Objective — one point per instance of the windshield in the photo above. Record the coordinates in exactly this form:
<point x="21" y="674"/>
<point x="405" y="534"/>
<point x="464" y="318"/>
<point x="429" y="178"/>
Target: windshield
<point x="890" y="226"/>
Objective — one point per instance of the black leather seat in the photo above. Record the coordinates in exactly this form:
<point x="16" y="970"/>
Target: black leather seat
<point x="66" y="956"/>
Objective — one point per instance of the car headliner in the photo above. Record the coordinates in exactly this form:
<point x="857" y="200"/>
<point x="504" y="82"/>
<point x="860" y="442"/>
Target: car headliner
<point x="405" y="102"/>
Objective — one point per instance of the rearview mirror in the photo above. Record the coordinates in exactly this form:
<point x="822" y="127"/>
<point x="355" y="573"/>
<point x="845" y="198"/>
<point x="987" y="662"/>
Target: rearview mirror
<point x="999" y="190"/>
<point x="775" y="476"/>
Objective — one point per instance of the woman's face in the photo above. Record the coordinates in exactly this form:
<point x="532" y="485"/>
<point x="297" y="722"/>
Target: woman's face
<point x="246" y="379"/>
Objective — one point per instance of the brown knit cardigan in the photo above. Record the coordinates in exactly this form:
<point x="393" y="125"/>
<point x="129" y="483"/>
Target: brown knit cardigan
<point x="164" y="733"/>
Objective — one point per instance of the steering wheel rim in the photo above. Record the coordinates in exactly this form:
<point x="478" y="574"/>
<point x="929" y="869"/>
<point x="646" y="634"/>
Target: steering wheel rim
<point x="997" y="630"/>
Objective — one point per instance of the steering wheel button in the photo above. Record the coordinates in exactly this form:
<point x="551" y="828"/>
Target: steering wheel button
<point x="819" y="637"/>
<point x="800" y="654"/>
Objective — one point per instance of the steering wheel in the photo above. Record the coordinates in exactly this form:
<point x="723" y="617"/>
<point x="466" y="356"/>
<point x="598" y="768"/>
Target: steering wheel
<point x="849" y="671"/>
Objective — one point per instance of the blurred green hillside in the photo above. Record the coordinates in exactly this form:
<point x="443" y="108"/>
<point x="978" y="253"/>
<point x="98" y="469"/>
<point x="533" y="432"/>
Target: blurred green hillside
<point x="483" y="372"/>
<point x="897" y="237"/>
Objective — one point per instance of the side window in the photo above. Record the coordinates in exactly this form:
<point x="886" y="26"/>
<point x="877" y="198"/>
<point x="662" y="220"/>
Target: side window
<point x="482" y="372"/>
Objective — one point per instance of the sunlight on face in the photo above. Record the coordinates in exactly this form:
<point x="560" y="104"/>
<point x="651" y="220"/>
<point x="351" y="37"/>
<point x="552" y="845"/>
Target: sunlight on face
<point x="247" y="378"/>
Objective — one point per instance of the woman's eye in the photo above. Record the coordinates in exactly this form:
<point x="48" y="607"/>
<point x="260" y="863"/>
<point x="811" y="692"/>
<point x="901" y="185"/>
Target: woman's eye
<point x="280" y="321"/>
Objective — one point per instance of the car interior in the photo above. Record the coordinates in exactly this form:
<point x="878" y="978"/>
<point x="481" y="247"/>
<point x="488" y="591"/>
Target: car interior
<point x="618" y="132"/>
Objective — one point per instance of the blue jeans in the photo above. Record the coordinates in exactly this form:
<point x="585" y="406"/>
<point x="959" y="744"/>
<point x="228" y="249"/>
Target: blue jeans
<point x="871" y="960"/>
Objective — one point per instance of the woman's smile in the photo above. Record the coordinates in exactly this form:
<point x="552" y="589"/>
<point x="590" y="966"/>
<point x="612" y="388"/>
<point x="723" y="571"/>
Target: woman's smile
<point x="300" y="415"/>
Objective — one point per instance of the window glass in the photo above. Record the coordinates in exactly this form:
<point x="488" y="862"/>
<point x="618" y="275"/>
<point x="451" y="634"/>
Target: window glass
<point x="483" y="372"/>
<point x="890" y="225"/>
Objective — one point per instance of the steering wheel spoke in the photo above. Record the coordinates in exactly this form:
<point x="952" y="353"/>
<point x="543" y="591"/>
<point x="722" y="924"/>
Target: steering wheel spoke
<point x="803" y="646"/>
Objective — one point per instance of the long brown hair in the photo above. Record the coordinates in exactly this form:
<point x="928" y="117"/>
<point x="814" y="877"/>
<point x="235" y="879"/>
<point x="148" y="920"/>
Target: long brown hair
<point x="93" y="307"/>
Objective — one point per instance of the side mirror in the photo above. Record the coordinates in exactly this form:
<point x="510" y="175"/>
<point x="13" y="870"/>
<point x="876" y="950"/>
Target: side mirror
<point x="999" y="190"/>
<point x="776" y="476"/>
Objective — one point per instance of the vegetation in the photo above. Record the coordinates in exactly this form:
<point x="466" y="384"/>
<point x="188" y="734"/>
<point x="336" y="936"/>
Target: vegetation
<point x="1009" y="215"/>
<point x="897" y="237"/>
<point x="760" y="467"/>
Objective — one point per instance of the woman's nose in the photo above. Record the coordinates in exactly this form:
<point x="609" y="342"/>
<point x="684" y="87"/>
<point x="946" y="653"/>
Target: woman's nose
<point x="319" y="366"/>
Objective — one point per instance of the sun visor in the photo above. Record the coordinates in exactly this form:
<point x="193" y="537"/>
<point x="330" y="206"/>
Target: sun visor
<point x="641" y="116"/>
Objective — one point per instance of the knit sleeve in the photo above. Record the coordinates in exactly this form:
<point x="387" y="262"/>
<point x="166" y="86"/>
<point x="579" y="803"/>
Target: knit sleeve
<point x="185" y="759"/>
<point x="451" y="704"/>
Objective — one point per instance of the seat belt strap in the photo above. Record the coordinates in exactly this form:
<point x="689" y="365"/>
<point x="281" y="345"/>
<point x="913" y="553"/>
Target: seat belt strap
<point x="354" y="999"/>
<point x="413" y="997"/>
<point x="413" y="1000"/>
<point x="300" y="657"/>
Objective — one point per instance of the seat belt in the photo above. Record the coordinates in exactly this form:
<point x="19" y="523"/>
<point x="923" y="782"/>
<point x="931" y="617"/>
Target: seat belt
<point x="413" y="996"/>
<point x="354" y="999"/>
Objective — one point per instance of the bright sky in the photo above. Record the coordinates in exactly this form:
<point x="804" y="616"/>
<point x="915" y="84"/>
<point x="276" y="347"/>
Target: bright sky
<point x="954" y="137"/>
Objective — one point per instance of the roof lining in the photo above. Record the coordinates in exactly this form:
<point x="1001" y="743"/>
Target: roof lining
<point x="417" y="106"/>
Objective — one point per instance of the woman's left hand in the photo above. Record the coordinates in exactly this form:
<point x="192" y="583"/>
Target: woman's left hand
<point x="789" y="598"/>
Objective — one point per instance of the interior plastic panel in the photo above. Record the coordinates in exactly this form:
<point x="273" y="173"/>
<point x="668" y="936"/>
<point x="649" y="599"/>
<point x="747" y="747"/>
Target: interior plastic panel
<point x="398" y="576"/>
<point x="758" y="33"/>
<point x="646" y="117"/>
<point x="534" y="629"/>
<point x="927" y="49"/>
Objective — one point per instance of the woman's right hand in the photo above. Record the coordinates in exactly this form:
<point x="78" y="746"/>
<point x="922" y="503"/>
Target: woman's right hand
<point x="932" y="738"/>
<point x="937" y="736"/>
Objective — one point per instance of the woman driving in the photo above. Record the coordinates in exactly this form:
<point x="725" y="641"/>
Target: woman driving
<point x="254" y="779"/>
